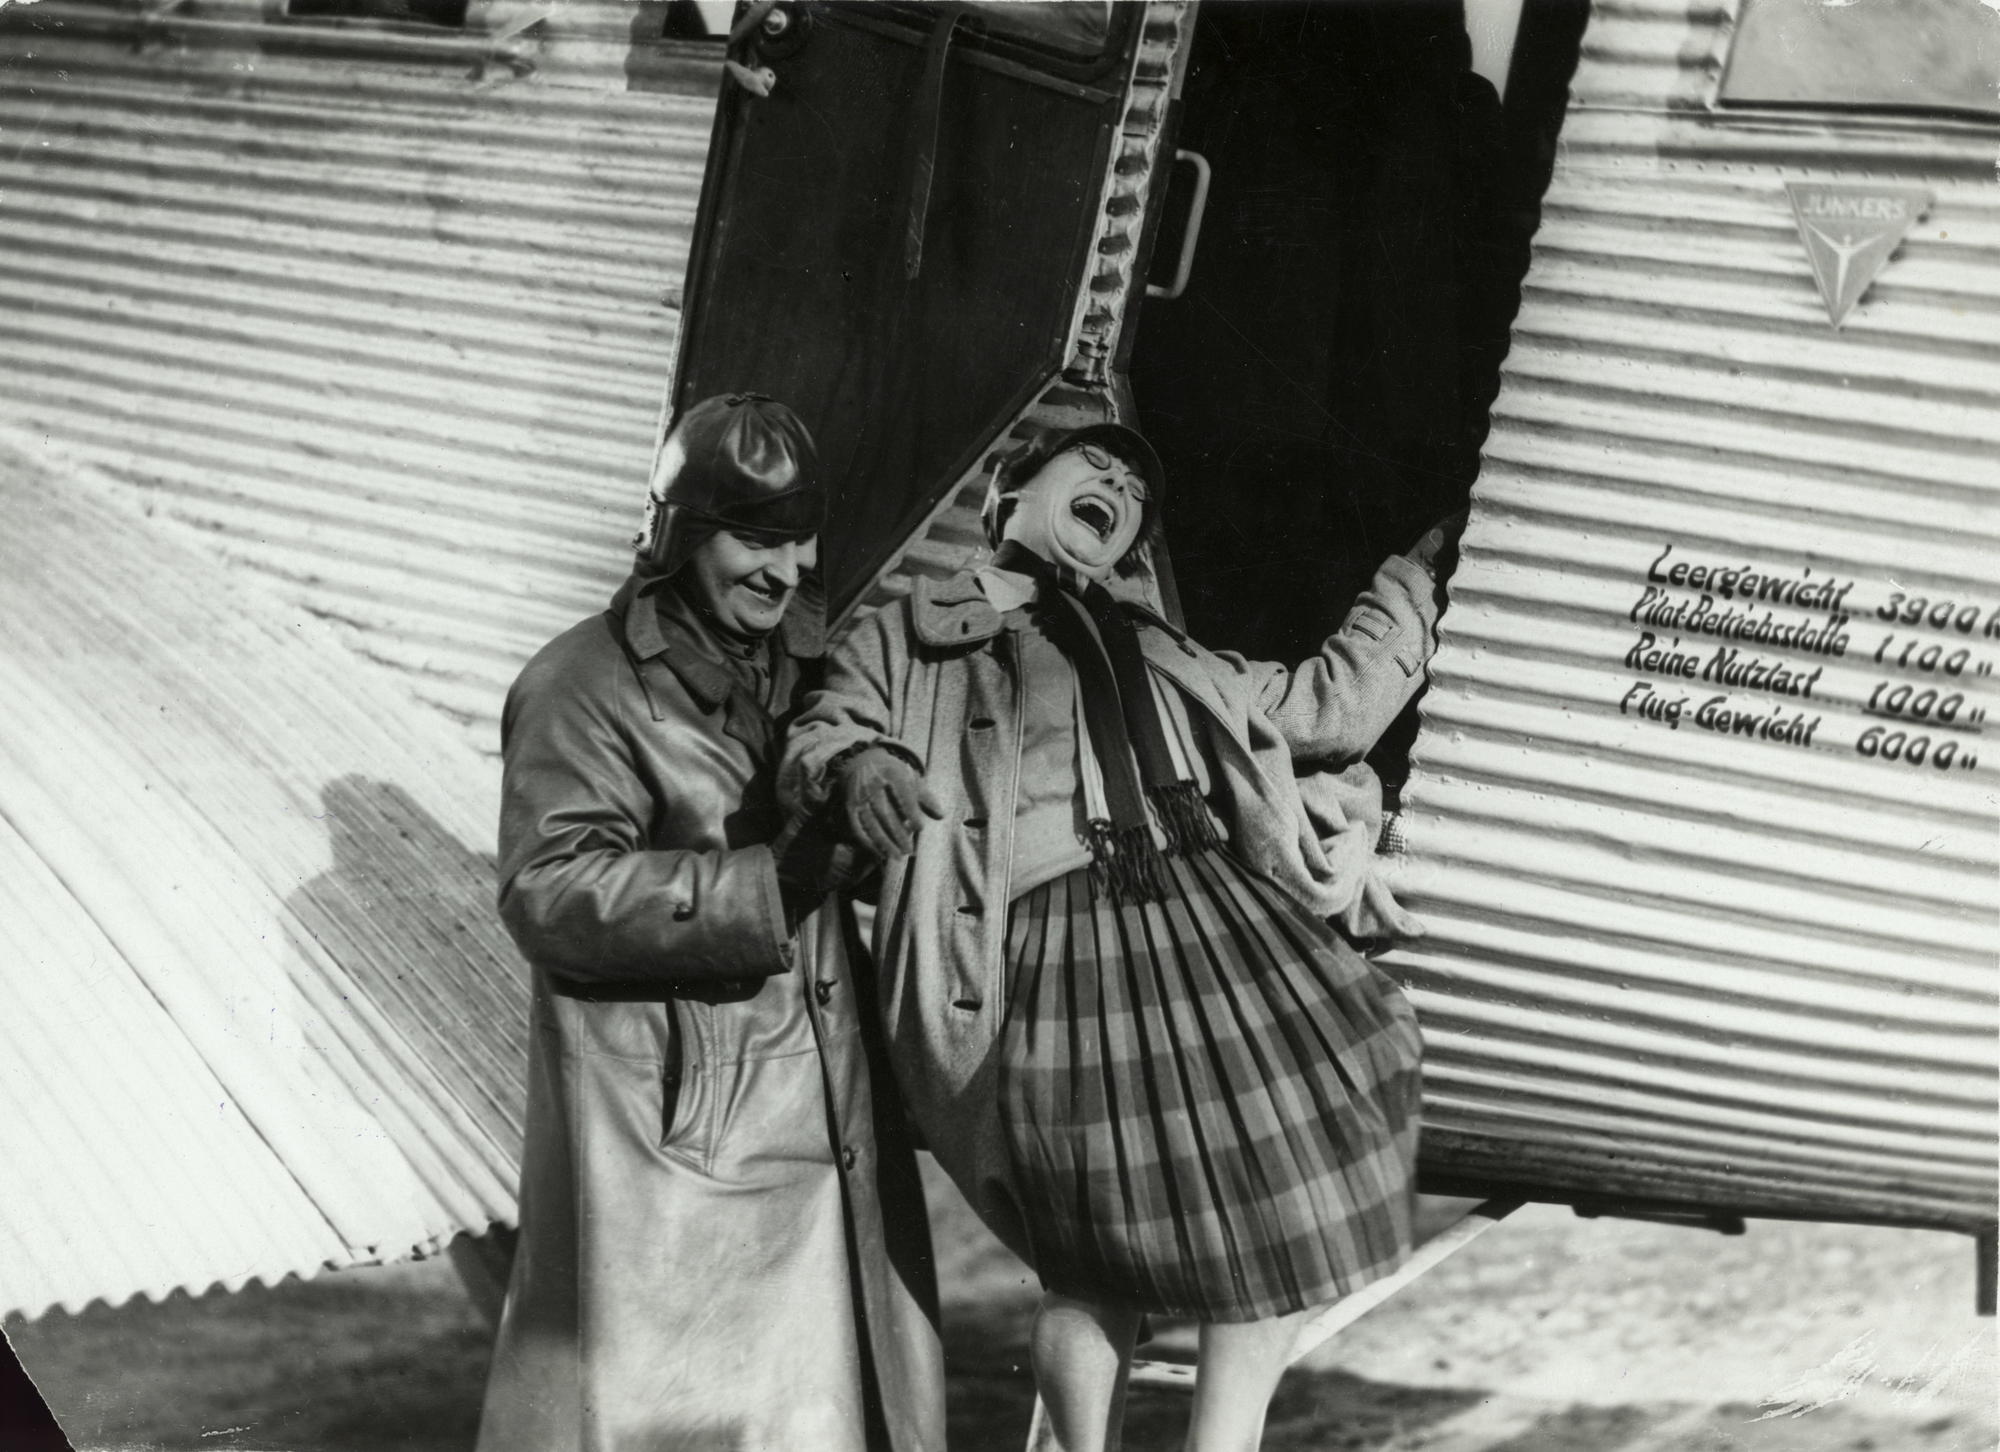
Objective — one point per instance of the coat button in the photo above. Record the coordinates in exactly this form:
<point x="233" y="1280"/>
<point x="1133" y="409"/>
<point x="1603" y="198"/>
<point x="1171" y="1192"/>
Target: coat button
<point x="848" y="1157"/>
<point x="823" y="991"/>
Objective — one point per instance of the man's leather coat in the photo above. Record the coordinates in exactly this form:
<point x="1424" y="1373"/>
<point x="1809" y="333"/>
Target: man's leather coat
<point x="722" y="1230"/>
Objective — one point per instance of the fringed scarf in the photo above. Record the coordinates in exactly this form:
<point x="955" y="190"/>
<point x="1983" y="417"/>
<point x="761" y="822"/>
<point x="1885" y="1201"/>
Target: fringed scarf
<point x="1143" y="782"/>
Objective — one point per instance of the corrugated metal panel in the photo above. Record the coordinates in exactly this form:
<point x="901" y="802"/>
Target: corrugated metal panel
<point x="261" y="1016"/>
<point x="391" y="332"/>
<point x="1665" y="962"/>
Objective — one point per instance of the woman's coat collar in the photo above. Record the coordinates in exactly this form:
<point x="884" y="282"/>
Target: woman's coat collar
<point x="955" y="612"/>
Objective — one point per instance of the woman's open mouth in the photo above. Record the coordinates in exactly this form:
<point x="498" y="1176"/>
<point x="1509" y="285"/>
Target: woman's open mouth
<point x="1095" y="515"/>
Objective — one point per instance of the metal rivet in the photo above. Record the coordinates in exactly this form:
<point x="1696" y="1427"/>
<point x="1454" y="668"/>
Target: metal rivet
<point x="823" y="991"/>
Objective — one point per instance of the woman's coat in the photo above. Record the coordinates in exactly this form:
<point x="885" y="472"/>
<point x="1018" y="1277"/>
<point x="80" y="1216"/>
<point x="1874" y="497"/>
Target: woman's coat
<point x="936" y="676"/>
<point x="703" y="1148"/>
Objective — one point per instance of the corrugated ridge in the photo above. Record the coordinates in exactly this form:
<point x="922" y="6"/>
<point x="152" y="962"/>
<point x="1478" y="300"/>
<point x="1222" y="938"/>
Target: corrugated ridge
<point x="388" y="335"/>
<point x="293" y="875"/>
<point x="252" y="1213"/>
<point x="584" y="43"/>
<point x="1663" y="963"/>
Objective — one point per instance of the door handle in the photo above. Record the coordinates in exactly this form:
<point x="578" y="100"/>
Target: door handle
<point x="1191" y="236"/>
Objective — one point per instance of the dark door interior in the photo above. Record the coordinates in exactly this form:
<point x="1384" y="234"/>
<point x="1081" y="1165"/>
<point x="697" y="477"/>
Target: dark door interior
<point x="1320" y="392"/>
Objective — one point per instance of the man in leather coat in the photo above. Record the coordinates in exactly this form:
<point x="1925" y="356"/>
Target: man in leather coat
<point x="723" y="1240"/>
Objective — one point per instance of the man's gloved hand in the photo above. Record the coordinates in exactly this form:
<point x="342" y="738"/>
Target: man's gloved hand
<point x="1437" y="551"/>
<point x="811" y="863"/>
<point x="880" y="796"/>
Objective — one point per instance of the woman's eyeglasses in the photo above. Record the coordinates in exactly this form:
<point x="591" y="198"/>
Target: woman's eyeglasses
<point x="1104" y="459"/>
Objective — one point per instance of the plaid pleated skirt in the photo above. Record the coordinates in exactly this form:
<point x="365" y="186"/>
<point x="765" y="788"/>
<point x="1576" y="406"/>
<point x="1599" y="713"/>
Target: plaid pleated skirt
<point x="1210" y="1104"/>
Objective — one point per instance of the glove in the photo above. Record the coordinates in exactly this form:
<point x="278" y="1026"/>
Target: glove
<point x="1436" y="552"/>
<point x="811" y="863"/>
<point x="881" y="795"/>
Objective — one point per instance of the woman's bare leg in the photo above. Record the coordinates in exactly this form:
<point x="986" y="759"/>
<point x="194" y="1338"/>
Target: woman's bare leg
<point x="1082" y="1354"/>
<point x="1240" y="1366"/>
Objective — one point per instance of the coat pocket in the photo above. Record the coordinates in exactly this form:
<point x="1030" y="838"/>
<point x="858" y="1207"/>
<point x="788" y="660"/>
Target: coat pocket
<point x="672" y="1064"/>
<point x="688" y="1094"/>
<point x="771" y="1125"/>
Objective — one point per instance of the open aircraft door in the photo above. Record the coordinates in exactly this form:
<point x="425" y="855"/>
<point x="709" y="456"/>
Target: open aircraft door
<point x="919" y="225"/>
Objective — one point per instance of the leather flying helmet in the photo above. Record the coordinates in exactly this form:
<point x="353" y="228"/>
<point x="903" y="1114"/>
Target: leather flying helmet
<point x="736" y="461"/>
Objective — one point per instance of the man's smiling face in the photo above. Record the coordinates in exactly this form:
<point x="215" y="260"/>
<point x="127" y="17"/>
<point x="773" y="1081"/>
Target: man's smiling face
<point x="746" y="580"/>
<point x="1083" y="510"/>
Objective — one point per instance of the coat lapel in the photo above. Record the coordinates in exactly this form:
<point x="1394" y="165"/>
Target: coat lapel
<point x="662" y="656"/>
<point x="1173" y="655"/>
<point x="952" y="612"/>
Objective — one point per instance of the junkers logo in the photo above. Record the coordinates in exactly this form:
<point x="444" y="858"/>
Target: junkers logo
<point x="1849" y="232"/>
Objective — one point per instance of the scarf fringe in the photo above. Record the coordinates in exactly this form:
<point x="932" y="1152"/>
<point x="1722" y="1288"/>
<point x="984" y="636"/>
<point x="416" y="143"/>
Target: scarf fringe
<point x="1184" y="817"/>
<point x="1128" y="866"/>
<point x="1125" y="864"/>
